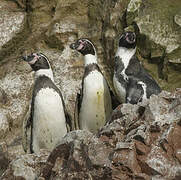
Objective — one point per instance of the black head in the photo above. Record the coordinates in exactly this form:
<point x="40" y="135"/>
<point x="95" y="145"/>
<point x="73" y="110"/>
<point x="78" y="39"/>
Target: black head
<point x="84" y="46"/>
<point x="128" y="40"/>
<point x="37" y="61"/>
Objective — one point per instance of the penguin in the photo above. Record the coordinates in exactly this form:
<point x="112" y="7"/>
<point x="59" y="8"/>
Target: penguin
<point x="136" y="91"/>
<point x="94" y="106"/>
<point x="48" y="120"/>
<point x="127" y="67"/>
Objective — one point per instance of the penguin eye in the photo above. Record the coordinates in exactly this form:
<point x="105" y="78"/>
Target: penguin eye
<point x="40" y="58"/>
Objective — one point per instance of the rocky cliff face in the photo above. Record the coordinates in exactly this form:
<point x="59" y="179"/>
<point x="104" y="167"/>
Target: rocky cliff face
<point x="50" y="26"/>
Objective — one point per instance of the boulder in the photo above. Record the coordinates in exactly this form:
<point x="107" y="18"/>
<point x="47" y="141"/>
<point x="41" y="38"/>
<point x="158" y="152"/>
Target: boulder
<point x="141" y="141"/>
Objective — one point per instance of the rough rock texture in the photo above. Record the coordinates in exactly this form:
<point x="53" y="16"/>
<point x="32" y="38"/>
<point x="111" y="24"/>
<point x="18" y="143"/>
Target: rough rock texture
<point x="12" y="28"/>
<point x="159" y="32"/>
<point x="4" y="125"/>
<point x="140" y="142"/>
<point x="4" y="160"/>
<point x="26" y="167"/>
<point x="50" y="26"/>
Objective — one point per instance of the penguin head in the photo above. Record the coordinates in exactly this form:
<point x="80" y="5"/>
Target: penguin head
<point x="37" y="61"/>
<point x="128" y="40"/>
<point x="84" y="46"/>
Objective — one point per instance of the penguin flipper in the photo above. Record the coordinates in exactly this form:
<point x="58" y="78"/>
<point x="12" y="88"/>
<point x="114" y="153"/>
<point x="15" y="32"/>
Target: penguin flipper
<point x="26" y="138"/>
<point x="67" y="115"/>
<point x="115" y="102"/>
<point x="77" y="109"/>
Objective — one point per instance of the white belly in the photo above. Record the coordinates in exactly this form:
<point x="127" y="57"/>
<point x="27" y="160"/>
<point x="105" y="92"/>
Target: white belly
<point x="49" y="120"/>
<point x="96" y="106"/>
<point x="120" y="90"/>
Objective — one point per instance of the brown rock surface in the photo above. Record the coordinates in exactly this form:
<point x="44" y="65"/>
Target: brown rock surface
<point x="138" y="143"/>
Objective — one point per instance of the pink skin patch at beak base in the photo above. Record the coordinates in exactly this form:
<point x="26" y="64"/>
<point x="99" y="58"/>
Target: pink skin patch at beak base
<point x="34" y="59"/>
<point x="127" y="39"/>
<point x="81" y="45"/>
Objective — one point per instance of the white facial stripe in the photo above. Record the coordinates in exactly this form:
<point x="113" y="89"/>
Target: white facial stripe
<point x="142" y="84"/>
<point x="121" y="36"/>
<point x="43" y="56"/>
<point x="91" y="44"/>
<point x="46" y="59"/>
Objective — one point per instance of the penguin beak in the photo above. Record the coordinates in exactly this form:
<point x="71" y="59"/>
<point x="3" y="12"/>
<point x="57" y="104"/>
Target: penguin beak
<point x="24" y="58"/>
<point x="28" y="58"/>
<point x="73" y="46"/>
<point x="78" y="45"/>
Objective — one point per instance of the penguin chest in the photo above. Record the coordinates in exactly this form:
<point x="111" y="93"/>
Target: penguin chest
<point x="49" y="124"/>
<point x="120" y="88"/>
<point x="96" y="106"/>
